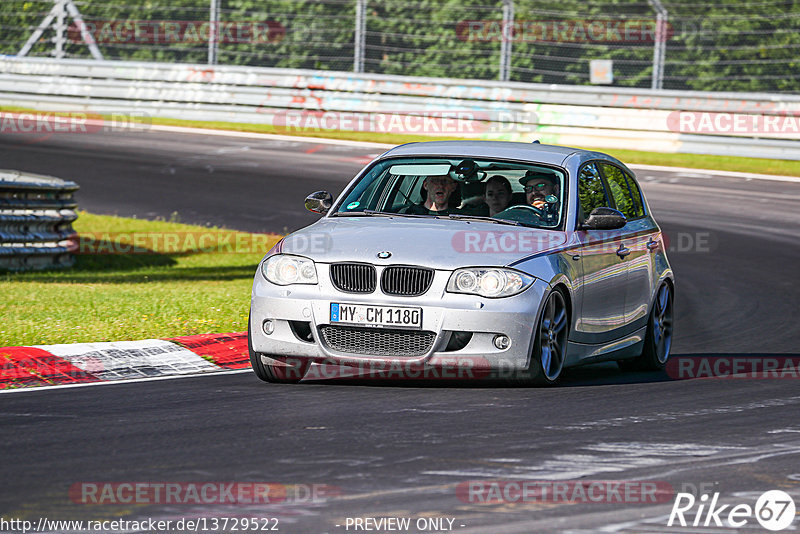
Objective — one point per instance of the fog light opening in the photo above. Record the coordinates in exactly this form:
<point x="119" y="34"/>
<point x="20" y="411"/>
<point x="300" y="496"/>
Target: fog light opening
<point x="502" y="342"/>
<point x="302" y="330"/>
<point x="268" y="327"/>
<point x="458" y="340"/>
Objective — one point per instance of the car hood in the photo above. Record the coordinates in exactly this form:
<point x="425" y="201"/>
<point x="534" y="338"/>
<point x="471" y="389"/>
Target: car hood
<point x="436" y="243"/>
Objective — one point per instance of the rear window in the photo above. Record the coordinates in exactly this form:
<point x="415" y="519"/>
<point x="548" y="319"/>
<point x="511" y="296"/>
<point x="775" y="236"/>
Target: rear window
<point x="636" y="194"/>
<point x="621" y="192"/>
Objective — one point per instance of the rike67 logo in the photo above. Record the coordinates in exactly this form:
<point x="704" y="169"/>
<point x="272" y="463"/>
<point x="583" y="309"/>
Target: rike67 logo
<point x="774" y="510"/>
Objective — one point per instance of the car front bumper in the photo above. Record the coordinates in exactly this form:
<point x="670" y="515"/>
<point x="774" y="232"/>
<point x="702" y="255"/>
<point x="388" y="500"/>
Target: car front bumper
<point x="308" y="306"/>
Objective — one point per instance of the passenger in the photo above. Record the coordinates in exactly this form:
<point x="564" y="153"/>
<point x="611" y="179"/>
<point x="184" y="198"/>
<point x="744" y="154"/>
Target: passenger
<point x="472" y="195"/>
<point x="538" y="186"/>
<point x="497" y="194"/>
<point x="437" y="193"/>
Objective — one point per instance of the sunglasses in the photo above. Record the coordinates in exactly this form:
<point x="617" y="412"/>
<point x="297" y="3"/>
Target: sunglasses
<point x="536" y="187"/>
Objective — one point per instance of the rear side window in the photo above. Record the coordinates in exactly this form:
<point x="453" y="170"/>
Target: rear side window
<point x="618" y="185"/>
<point x="591" y="191"/>
<point x="636" y="194"/>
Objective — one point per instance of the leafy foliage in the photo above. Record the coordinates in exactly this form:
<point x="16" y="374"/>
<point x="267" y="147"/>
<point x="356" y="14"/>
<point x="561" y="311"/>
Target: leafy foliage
<point x="722" y="46"/>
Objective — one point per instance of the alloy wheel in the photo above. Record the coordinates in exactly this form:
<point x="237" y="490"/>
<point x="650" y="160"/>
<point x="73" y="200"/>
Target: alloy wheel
<point x="662" y="324"/>
<point x="553" y="330"/>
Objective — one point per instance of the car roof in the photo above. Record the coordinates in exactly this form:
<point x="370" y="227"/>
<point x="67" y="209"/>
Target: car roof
<point x="532" y="152"/>
<point x="535" y="152"/>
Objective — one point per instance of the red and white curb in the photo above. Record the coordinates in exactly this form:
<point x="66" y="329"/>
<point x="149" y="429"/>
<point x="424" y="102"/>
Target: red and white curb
<point x="80" y="363"/>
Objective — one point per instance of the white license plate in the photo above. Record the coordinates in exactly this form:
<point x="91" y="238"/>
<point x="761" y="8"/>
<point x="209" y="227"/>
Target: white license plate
<point x="382" y="316"/>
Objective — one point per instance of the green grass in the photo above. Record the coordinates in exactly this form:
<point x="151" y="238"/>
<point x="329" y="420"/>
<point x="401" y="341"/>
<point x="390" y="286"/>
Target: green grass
<point x="779" y="167"/>
<point x="696" y="161"/>
<point x="174" y="289"/>
<point x="371" y="137"/>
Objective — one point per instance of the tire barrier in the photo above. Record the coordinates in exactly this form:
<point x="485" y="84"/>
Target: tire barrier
<point x="36" y="216"/>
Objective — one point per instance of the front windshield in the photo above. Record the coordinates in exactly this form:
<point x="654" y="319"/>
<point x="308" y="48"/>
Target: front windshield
<point x="528" y="194"/>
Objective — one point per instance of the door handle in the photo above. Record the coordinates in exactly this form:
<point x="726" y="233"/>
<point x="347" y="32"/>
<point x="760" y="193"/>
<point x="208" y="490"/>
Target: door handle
<point x="652" y="245"/>
<point x="623" y="251"/>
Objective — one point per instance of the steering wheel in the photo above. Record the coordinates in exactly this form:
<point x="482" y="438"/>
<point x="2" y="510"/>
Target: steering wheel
<point x="523" y="207"/>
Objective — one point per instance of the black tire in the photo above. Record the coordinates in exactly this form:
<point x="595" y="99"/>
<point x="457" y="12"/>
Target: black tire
<point x="658" y="337"/>
<point x="550" y="344"/>
<point x="291" y="373"/>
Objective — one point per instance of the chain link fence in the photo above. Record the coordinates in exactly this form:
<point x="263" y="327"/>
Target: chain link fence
<point x="719" y="46"/>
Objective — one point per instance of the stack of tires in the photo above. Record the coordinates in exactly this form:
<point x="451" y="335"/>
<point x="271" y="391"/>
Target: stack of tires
<point x="36" y="216"/>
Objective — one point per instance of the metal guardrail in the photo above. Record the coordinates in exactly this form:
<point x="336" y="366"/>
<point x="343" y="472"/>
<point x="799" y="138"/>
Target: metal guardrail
<point x="607" y="117"/>
<point x="36" y="216"/>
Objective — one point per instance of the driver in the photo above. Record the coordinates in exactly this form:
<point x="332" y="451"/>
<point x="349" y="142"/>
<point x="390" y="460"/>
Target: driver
<point x="538" y="186"/>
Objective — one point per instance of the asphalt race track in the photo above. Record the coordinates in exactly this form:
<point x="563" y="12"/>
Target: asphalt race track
<point x="400" y="450"/>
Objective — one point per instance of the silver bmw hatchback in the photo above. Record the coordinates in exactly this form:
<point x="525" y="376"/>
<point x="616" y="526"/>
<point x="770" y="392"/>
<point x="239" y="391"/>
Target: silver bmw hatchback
<point x="468" y="259"/>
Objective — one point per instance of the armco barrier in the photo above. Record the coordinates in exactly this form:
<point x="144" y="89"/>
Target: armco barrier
<point x="608" y="117"/>
<point x="36" y="216"/>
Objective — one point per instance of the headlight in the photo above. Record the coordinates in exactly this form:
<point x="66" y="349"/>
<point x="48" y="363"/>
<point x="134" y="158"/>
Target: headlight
<point x="488" y="282"/>
<point x="285" y="269"/>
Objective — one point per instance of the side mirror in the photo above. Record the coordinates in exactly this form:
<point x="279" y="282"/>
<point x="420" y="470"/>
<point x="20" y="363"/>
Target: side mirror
<point x="319" y="202"/>
<point x="603" y="218"/>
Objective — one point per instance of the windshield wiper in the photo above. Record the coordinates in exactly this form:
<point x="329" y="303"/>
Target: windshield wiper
<point x="373" y="213"/>
<point x="458" y="216"/>
<point x="390" y="214"/>
<point x="351" y="214"/>
<point x="483" y="219"/>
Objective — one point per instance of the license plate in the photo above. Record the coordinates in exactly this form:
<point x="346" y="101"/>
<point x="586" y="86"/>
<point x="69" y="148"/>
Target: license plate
<point x="380" y="316"/>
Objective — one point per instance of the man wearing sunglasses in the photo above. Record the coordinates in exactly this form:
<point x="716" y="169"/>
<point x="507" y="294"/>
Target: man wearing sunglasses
<point x="538" y="186"/>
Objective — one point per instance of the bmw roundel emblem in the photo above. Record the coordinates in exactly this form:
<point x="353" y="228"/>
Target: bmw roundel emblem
<point x="385" y="254"/>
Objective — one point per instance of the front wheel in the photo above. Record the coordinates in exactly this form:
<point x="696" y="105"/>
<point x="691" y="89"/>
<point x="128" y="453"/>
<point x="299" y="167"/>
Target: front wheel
<point x="550" y="348"/>
<point x="293" y="370"/>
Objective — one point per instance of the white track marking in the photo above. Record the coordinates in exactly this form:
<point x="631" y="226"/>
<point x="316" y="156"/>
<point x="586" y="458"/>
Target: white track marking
<point x="274" y="137"/>
<point x="122" y="360"/>
<point x="709" y="173"/>
<point x="612" y="458"/>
